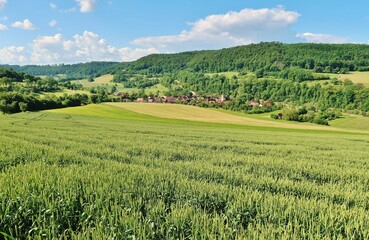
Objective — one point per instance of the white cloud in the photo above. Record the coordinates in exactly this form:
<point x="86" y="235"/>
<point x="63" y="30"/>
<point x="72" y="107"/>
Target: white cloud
<point x="226" y="30"/>
<point x="3" y="27"/>
<point x="321" y="38"/>
<point x="86" y="5"/>
<point x="2" y="3"/>
<point x="53" y="5"/>
<point x="47" y="49"/>
<point x="13" y="55"/>
<point x="82" y="48"/>
<point x="53" y="23"/>
<point x="56" y="49"/>
<point x="26" y="25"/>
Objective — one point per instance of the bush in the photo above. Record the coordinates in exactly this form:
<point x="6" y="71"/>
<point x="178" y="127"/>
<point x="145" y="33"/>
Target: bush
<point x="274" y="116"/>
<point x="290" y="115"/>
<point x="319" y="120"/>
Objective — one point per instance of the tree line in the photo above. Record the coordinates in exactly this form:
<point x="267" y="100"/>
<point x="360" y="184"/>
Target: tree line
<point x="269" y="57"/>
<point x="70" y="71"/>
<point x="20" y="92"/>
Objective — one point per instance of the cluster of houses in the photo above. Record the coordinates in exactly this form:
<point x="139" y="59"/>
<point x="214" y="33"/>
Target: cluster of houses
<point x="170" y="99"/>
<point x="260" y="103"/>
<point x="194" y="97"/>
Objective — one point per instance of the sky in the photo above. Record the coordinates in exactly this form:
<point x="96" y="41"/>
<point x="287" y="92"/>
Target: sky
<point x="72" y="31"/>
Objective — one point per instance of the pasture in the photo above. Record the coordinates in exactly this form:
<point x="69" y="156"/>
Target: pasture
<point x="104" y="80"/>
<point x="348" y="121"/>
<point x="357" y="77"/>
<point x="120" y="172"/>
<point x="226" y="74"/>
<point x="65" y="91"/>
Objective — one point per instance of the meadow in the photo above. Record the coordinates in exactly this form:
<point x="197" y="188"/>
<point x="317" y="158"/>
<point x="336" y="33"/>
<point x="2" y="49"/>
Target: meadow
<point x="104" y="80"/>
<point x="357" y="77"/>
<point x="113" y="172"/>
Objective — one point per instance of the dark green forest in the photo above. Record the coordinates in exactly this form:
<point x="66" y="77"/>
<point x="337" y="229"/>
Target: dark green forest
<point x="71" y="71"/>
<point x="268" y="57"/>
<point x="262" y="57"/>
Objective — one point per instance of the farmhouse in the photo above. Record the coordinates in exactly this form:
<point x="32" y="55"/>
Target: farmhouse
<point x="268" y="104"/>
<point x="184" y="98"/>
<point x="260" y="103"/>
<point x="253" y="103"/>
<point x="222" y="98"/>
<point x="169" y="99"/>
<point x="151" y="100"/>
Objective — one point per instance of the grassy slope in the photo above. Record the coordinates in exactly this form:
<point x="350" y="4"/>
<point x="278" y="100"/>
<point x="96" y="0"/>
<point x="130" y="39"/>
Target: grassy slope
<point x="352" y="122"/>
<point x="66" y="91"/>
<point x="105" y="80"/>
<point x="174" y="111"/>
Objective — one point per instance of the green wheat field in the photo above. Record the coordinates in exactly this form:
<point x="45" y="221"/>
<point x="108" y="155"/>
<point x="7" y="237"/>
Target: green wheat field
<point x="105" y="172"/>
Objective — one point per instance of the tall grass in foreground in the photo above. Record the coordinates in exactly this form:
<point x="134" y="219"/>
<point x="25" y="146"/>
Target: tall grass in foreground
<point x="68" y="176"/>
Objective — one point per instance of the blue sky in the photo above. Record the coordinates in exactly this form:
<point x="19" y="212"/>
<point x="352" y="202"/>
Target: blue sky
<point x="69" y="31"/>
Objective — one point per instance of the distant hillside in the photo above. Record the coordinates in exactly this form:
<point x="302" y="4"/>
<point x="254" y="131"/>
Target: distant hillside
<point x="79" y="70"/>
<point x="262" y="57"/>
<point x="329" y="58"/>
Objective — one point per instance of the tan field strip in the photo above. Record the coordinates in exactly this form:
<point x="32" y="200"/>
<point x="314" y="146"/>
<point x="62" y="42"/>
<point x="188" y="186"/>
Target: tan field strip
<point x="191" y="113"/>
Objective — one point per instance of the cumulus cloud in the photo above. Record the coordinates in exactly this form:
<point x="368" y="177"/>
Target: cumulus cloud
<point x="13" y="55"/>
<point x="82" y="48"/>
<point x="86" y="5"/>
<point x="53" y="23"/>
<point x="3" y="27"/>
<point x="321" y="38"/>
<point x="26" y="25"/>
<point x="2" y="3"/>
<point x="47" y="49"/>
<point x="226" y="30"/>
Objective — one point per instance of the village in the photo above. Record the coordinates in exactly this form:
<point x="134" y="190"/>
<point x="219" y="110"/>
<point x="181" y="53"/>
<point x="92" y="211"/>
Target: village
<point x="194" y="98"/>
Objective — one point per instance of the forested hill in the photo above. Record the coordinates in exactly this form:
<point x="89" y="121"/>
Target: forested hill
<point x="79" y="70"/>
<point x="263" y="56"/>
<point x="267" y="57"/>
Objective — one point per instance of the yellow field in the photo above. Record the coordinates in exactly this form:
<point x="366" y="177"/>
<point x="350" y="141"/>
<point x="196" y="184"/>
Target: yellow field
<point x="191" y="113"/>
<point x="357" y="77"/>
